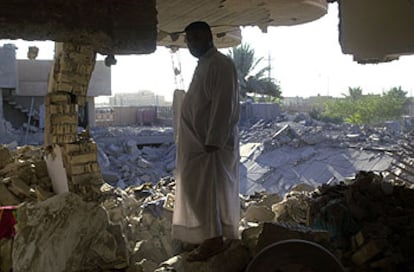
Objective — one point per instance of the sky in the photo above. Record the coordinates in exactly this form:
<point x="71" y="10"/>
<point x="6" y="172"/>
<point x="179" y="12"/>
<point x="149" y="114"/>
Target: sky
<point x="306" y="60"/>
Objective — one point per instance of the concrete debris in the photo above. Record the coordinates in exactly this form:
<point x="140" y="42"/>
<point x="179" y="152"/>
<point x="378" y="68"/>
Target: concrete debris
<point x="129" y="156"/>
<point x="24" y="176"/>
<point x="371" y="227"/>
<point x="364" y="223"/>
<point x="6" y="263"/>
<point x="259" y="237"/>
<point x="5" y="156"/>
<point x="64" y="233"/>
<point x="259" y="214"/>
<point x="293" y="209"/>
<point x="299" y="183"/>
<point x="278" y="154"/>
<point x="233" y="259"/>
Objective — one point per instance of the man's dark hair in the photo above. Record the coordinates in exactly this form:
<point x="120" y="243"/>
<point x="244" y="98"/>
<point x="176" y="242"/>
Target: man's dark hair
<point x="199" y="26"/>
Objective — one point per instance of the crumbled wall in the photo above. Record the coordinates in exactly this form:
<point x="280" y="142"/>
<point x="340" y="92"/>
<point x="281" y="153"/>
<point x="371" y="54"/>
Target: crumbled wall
<point x="68" y="85"/>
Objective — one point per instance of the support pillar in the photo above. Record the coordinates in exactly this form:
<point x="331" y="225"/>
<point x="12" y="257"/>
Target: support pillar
<point x="68" y="85"/>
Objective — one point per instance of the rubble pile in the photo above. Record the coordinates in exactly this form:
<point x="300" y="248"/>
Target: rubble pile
<point x="131" y="156"/>
<point x="23" y="175"/>
<point x="370" y="220"/>
<point x="277" y="154"/>
<point x="80" y="160"/>
<point x="64" y="233"/>
<point x="403" y="167"/>
<point x="300" y="129"/>
<point x="122" y="229"/>
<point x="13" y="137"/>
<point x="365" y="221"/>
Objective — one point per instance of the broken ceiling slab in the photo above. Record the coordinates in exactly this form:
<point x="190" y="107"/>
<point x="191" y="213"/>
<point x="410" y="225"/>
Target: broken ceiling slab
<point x="130" y="27"/>
<point x="282" y="12"/>
<point x="223" y="36"/>
<point x="376" y="30"/>
<point x="226" y="16"/>
<point x="121" y="27"/>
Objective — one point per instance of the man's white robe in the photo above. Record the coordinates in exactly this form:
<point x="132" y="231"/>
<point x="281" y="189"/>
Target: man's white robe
<point x="207" y="201"/>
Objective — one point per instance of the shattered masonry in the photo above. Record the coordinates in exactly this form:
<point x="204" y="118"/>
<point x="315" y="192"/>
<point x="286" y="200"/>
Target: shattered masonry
<point x="68" y="85"/>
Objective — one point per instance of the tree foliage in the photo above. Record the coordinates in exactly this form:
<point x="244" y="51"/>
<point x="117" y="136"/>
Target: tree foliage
<point x="357" y="108"/>
<point x="250" y="79"/>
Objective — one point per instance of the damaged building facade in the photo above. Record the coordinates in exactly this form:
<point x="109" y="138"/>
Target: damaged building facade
<point x="129" y="229"/>
<point x="24" y="85"/>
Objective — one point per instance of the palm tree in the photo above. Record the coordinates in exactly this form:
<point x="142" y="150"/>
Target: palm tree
<point x="354" y="93"/>
<point x="246" y="63"/>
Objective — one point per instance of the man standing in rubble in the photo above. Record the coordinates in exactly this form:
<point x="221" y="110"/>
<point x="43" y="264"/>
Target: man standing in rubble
<point x="207" y="208"/>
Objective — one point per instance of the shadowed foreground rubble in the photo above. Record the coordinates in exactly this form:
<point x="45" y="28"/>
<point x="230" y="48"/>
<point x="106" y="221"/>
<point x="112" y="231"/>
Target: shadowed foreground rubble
<point x="297" y="183"/>
<point x="366" y="222"/>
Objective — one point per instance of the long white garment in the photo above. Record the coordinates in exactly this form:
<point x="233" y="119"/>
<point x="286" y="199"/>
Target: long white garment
<point x="207" y="184"/>
<point x="178" y="98"/>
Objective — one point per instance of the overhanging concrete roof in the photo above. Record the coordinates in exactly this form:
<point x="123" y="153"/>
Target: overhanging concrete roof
<point x="370" y="30"/>
<point x="134" y="27"/>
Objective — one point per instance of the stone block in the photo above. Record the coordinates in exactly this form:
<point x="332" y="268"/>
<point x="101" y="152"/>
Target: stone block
<point x="64" y="87"/>
<point x="6" y="197"/>
<point x="91" y="167"/>
<point x="74" y="148"/>
<point x="64" y="129"/>
<point x="19" y="187"/>
<point x="359" y="239"/>
<point x="70" y="78"/>
<point x="270" y="199"/>
<point x="368" y="251"/>
<point x="86" y="179"/>
<point x="169" y="202"/>
<point x="5" y="156"/>
<point x="74" y="236"/>
<point x="87" y="56"/>
<point x="58" y="98"/>
<point x="40" y="169"/>
<point x="233" y="259"/>
<point x="6" y="263"/>
<point x="42" y="194"/>
<point x="62" y="139"/>
<point x="84" y="69"/>
<point x="58" y="119"/>
<point x="259" y="214"/>
<point x="386" y="264"/>
<point x="81" y="158"/>
<point x="45" y="181"/>
<point x="62" y="109"/>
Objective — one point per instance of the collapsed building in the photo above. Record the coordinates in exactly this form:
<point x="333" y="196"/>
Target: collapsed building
<point x="24" y="85"/>
<point x="71" y="219"/>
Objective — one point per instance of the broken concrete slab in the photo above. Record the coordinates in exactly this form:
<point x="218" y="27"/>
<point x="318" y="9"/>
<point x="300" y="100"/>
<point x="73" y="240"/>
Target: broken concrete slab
<point x="7" y="197"/>
<point x="234" y="259"/>
<point x="5" y="156"/>
<point x="54" y="236"/>
<point x="5" y="255"/>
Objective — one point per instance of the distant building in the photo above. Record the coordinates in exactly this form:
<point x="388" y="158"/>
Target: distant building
<point x="140" y="98"/>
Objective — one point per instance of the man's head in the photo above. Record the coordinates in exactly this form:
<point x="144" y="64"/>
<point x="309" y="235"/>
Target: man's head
<point x="198" y="38"/>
